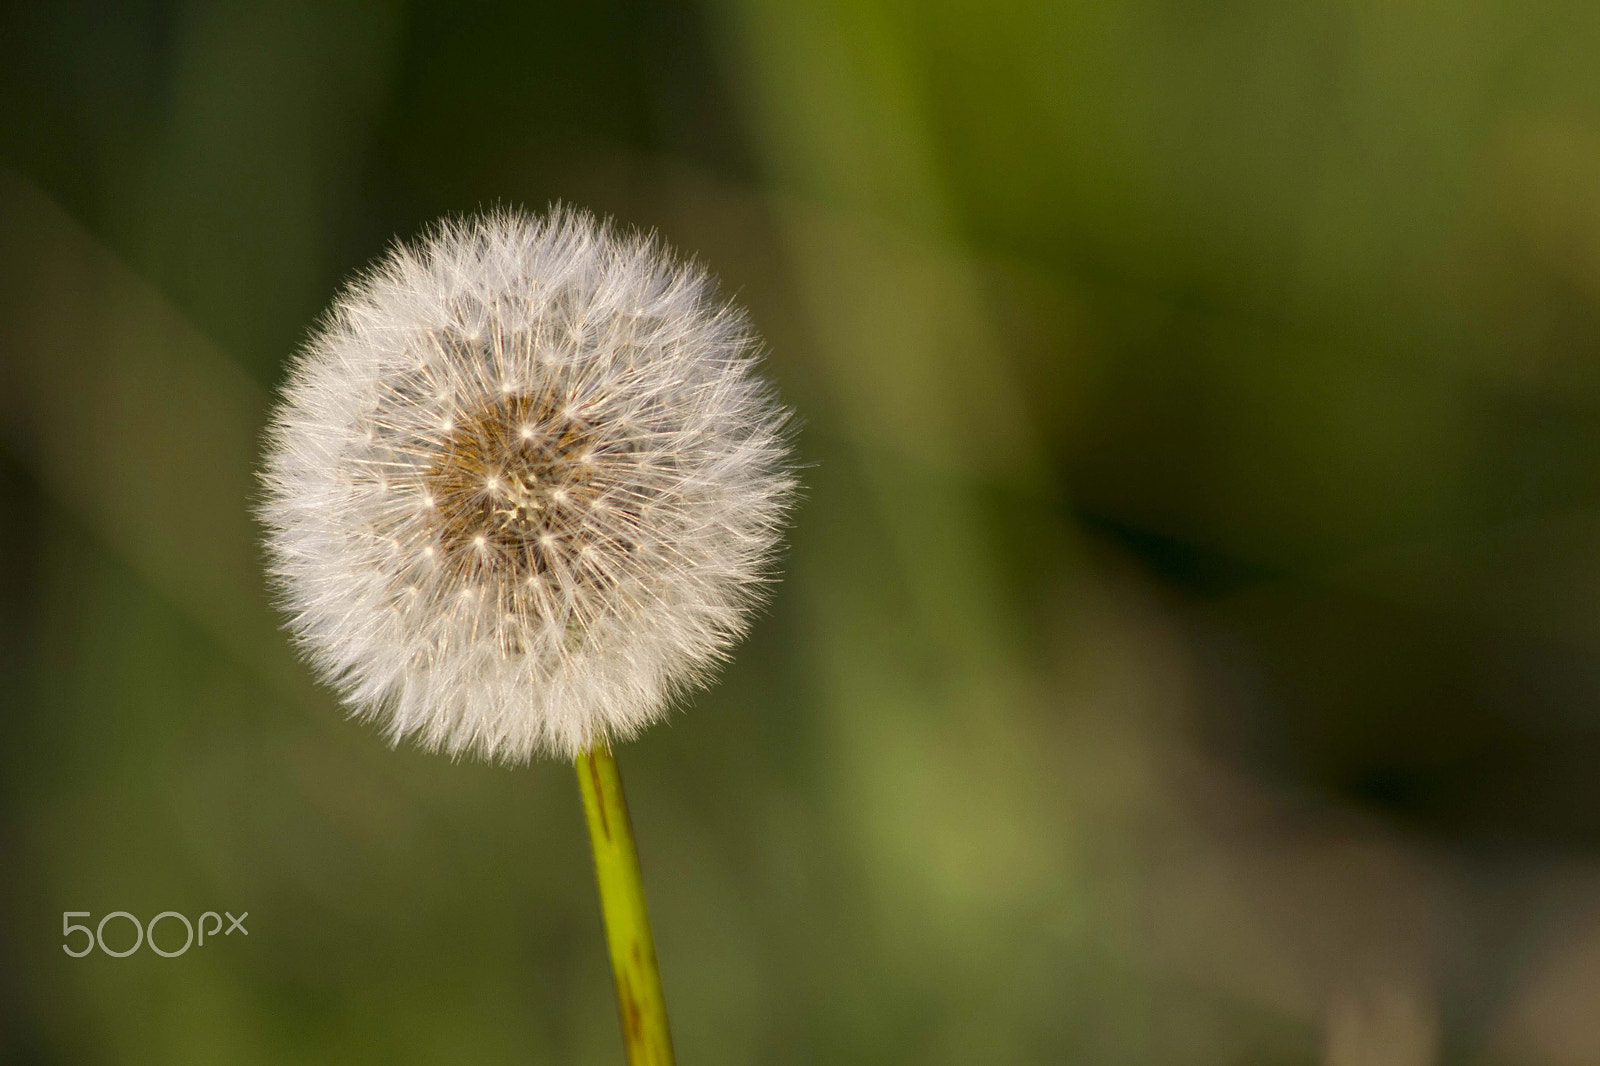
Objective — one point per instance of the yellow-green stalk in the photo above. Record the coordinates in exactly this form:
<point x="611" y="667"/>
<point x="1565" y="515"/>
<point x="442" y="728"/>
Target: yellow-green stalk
<point x="633" y="950"/>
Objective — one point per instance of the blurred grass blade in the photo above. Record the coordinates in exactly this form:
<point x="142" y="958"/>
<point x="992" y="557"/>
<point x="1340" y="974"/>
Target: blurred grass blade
<point x="134" y="422"/>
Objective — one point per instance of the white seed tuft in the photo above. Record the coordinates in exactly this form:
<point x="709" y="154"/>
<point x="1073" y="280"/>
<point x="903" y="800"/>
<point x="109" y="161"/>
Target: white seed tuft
<point x="509" y="518"/>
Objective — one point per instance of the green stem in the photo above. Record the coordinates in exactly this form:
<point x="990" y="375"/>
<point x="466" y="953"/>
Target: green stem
<point x="633" y="951"/>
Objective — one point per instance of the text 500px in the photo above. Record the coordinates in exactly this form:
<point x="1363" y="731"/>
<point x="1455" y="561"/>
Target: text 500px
<point x="146" y="934"/>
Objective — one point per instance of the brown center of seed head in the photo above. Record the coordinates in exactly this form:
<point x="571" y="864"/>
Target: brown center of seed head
<point x="512" y="488"/>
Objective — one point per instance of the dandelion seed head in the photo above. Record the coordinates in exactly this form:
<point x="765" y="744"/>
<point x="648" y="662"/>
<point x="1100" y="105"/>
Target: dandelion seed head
<point x="511" y="518"/>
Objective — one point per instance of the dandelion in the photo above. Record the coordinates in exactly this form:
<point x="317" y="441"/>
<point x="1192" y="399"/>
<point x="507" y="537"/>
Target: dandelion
<point x="523" y="490"/>
<point x="523" y="487"/>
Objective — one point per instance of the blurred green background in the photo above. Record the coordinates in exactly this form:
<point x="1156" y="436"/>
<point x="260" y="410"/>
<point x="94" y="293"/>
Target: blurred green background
<point x="1189" y="648"/>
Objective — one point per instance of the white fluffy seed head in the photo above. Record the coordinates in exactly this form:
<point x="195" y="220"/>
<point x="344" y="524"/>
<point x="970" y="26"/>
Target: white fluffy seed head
<point x="524" y="486"/>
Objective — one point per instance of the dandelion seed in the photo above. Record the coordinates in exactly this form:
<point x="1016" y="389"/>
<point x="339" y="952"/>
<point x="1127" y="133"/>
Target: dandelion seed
<point x="599" y="513"/>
